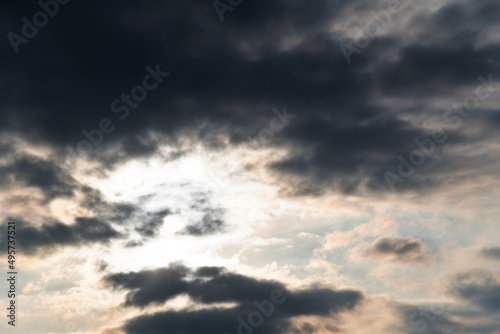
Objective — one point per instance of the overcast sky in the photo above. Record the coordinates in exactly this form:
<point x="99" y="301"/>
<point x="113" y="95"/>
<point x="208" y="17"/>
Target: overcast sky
<point x="240" y="167"/>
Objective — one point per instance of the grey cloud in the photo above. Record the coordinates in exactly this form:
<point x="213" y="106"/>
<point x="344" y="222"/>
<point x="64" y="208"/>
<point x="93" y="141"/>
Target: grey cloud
<point x="445" y="318"/>
<point x="211" y="222"/>
<point x="211" y="217"/>
<point x="152" y="286"/>
<point x="491" y="253"/>
<point x="401" y="249"/>
<point x="478" y="287"/>
<point x="209" y="285"/>
<point x="151" y="223"/>
<point x="38" y="240"/>
<point x="30" y="171"/>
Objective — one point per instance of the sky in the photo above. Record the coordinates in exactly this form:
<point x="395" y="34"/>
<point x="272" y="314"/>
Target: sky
<point x="241" y="167"/>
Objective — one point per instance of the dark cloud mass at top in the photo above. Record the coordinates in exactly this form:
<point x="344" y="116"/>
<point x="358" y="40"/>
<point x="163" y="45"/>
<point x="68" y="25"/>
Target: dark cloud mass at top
<point x="226" y="77"/>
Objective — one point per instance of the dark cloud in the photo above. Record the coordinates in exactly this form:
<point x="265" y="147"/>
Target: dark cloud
<point x="442" y="317"/>
<point x="151" y="223"/>
<point x="211" y="222"/>
<point x="133" y="243"/>
<point x="130" y="216"/>
<point x="227" y="76"/>
<point x="229" y="287"/>
<point x="353" y="121"/>
<point x="491" y="253"/>
<point x="330" y="153"/>
<point x="38" y="240"/>
<point x="421" y="68"/>
<point x="432" y="319"/>
<point x="343" y="139"/>
<point x="208" y="271"/>
<point x="402" y="249"/>
<point x="218" y="320"/>
<point x="211" y="218"/>
<point x="458" y="24"/>
<point x="207" y="285"/>
<point x="30" y="171"/>
<point x="117" y="212"/>
<point x="152" y="286"/>
<point x="478" y="287"/>
<point x="211" y="285"/>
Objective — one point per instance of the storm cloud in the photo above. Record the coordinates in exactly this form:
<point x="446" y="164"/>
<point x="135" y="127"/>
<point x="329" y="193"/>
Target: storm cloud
<point x="345" y="139"/>
<point x="215" y="285"/>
